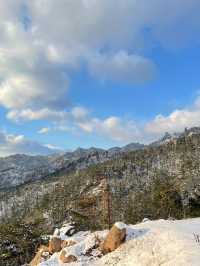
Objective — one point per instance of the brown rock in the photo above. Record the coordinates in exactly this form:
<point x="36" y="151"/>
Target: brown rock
<point x="114" y="239"/>
<point x="39" y="255"/>
<point x="68" y="243"/>
<point x="66" y="258"/>
<point x="54" y="245"/>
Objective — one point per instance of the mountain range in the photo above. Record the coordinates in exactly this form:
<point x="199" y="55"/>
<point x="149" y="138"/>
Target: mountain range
<point x="19" y="169"/>
<point x="96" y="187"/>
<point x="26" y="178"/>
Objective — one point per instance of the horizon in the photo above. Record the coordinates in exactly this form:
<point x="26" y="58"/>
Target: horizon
<point x="72" y="75"/>
<point x="60" y="152"/>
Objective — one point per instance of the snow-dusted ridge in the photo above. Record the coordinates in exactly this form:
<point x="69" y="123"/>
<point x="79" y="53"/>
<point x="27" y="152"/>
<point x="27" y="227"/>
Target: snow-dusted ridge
<point x="18" y="169"/>
<point x="152" y="243"/>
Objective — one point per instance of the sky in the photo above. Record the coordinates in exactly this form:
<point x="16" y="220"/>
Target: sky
<point x="103" y="73"/>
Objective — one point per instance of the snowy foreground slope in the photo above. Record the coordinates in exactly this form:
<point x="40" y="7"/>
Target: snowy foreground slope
<point x="151" y="243"/>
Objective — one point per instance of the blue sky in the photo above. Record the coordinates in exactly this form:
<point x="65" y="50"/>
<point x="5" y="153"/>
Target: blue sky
<point x="72" y="75"/>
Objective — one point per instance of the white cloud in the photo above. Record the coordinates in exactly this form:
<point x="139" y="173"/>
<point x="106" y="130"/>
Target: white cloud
<point x="53" y="148"/>
<point x="110" y="38"/>
<point x="27" y="79"/>
<point x="123" y="131"/>
<point x="79" y="113"/>
<point x="44" y="130"/>
<point x="34" y="89"/>
<point x="13" y="144"/>
<point x="35" y="61"/>
<point x="117" y="129"/>
<point x="79" y="119"/>
<point x="114" y="24"/>
<point x="122" y="67"/>
<point x="41" y="114"/>
<point x="176" y="121"/>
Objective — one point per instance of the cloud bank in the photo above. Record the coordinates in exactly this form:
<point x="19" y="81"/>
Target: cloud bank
<point x="43" y="41"/>
<point x="13" y="144"/>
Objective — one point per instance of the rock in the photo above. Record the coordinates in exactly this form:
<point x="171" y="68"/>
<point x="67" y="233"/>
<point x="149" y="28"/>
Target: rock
<point x="54" y="245"/>
<point x="39" y="256"/>
<point x="68" y="243"/>
<point x="114" y="239"/>
<point x="64" y="258"/>
<point x="37" y="259"/>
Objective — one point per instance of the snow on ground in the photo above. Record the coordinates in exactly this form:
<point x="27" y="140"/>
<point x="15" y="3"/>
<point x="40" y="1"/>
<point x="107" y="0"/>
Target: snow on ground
<point x="85" y="249"/>
<point x="151" y="243"/>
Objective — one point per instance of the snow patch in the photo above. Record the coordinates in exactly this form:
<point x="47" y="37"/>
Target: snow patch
<point x="145" y="220"/>
<point x="120" y="225"/>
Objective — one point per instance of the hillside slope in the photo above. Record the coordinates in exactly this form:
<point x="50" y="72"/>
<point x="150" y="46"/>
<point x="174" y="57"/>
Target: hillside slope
<point x="19" y="169"/>
<point x="167" y="175"/>
<point x="160" y="181"/>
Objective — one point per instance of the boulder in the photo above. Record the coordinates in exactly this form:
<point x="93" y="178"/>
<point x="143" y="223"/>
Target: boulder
<point x="54" y="245"/>
<point x="64" y="258"/>
<point x="115" y="238"/>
